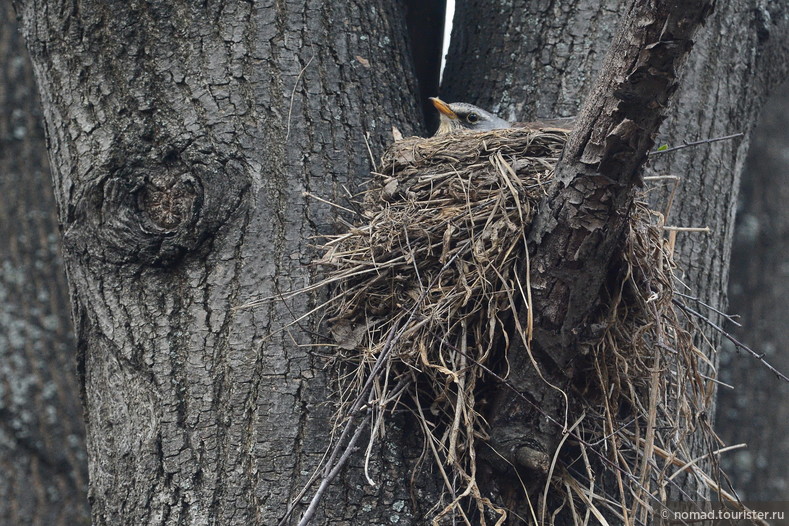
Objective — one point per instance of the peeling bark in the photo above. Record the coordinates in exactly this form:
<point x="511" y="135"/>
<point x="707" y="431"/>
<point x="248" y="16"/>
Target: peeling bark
<point x="582" y="218"/>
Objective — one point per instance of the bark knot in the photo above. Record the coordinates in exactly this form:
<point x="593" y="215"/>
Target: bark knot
<point x="152" y="209"/>
<point x="170" y="200"/>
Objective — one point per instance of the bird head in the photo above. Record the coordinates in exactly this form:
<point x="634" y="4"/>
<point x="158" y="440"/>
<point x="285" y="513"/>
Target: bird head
<point x="459" y="116"/>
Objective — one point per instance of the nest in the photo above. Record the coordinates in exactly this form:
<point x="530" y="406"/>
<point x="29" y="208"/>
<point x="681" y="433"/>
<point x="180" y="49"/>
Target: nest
<point x="424" y="286"/>
<point x="439" y="243"/>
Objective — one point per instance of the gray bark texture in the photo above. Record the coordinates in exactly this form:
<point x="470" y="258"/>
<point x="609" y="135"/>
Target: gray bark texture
<point x="43" y="461"/>
<point x="185" y="138"/>
<point x="756" y="411"/>
<point x="186" y="142"/>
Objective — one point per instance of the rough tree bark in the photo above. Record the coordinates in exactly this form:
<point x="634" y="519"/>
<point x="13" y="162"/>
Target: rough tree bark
<point x="736" y="61"/>
<point x="42" y="440"/>
<point x="756" y="411"/>
<point x="583" y="216"/>
<point x="185" y="137"/>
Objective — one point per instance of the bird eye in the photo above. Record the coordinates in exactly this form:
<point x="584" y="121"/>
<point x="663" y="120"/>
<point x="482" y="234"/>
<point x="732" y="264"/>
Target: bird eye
<point x="472" y="118"/>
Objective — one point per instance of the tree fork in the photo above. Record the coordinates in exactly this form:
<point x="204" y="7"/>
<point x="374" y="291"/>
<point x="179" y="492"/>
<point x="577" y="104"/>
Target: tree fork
<point x="582" y="218"/>
<point x="580" y="224"/>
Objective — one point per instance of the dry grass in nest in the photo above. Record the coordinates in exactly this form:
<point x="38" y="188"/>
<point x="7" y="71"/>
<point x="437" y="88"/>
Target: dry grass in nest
<point x="422" y="290"/>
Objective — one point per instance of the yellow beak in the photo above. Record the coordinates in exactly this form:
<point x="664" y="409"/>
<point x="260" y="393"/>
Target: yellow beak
<point x="443" y="107"/>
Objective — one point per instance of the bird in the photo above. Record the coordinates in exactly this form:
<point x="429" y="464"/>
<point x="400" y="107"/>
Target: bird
<point x="461" y="116"/>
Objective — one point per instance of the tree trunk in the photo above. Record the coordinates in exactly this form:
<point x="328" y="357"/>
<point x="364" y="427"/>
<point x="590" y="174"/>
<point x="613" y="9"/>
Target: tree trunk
<point x="723" y="93"/>
<point x="188" y="142"/>
<point x="755" y="411"/>
<point x="42" y="438"/>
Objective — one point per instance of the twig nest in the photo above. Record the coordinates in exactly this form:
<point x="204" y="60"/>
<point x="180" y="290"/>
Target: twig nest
<point x="431" y="273"/>
<point x="445" y="226"/>
<point x="418" y="165"/>
<point x="427" y="281"/>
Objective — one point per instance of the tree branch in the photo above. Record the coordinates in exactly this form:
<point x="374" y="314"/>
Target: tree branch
<point x="581" y="221"/>
<point x="582" y="218"/>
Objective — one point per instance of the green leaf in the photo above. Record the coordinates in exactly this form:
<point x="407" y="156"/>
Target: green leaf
<point x="664" y="147"/>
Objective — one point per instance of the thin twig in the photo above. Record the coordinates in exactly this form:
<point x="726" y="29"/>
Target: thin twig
<point x="690" y="464"/>
<point x="735" y="341"/>
<point x="366" y="138"/>
<point x="328" y="478"/>
<point x="729" y="317"/>
<point x="293" y="94"/>
<point x="326" y="201"/>
<point x="686" y="144"/>
<point x="362" y="400"/>
<point x="704" y="229"/>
